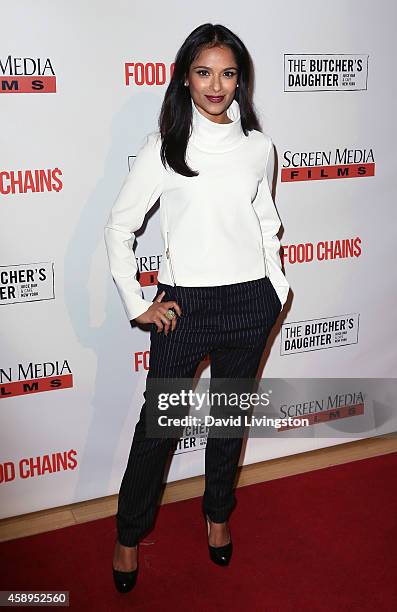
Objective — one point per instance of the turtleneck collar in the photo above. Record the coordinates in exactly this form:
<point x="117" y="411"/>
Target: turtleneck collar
<point x="217" y="137"/>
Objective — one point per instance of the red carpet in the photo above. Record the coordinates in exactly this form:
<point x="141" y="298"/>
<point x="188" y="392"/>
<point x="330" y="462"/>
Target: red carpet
<point x="326" y="540"/>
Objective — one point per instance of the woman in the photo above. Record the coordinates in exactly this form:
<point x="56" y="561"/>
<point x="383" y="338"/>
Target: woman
<point x="220" y="283"/>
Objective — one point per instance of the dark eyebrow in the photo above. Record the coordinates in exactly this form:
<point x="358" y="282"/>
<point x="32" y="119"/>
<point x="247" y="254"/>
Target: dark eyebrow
<point x="207" y="68"/>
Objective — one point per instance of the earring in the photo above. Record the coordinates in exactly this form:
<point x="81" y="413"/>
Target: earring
<point x="237" y="85"/>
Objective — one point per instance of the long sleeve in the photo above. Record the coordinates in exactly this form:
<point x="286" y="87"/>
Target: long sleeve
<point x="270" y="224"/>
<point x="140" y="191"/>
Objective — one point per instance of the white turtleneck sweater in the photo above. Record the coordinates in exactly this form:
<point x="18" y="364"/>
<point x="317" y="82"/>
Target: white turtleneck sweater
<point x="219" y="227"/>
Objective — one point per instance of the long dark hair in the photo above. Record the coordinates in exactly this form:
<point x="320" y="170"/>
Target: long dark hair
<point x="176" y="112"/>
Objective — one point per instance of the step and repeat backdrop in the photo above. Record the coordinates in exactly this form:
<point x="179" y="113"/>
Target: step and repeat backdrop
<point x="81" y="86"/>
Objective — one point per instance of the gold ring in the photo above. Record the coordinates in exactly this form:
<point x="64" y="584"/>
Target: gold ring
<point x="170" y="314"/>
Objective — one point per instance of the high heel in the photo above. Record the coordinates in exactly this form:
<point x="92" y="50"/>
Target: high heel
<point x="125" y="581"/>
<point x="220" y="555"/>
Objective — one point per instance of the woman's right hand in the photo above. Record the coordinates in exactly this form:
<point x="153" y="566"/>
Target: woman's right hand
<point x="156" y="314"/>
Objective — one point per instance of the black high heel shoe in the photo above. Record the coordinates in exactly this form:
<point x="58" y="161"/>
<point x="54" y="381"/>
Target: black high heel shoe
<point x="124" y="581"/>
<point x="220" y="555"/>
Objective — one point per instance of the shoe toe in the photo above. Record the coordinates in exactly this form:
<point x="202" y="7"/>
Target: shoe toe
<point x="124" y="581"/>
<point x="221" y="555"/>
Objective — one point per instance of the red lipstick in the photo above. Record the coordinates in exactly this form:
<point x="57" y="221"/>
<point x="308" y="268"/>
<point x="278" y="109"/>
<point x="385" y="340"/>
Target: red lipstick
<point x="215" y="98"/>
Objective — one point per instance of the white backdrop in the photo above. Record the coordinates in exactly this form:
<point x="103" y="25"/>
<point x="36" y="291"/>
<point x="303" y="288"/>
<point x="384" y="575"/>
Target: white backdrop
<point x="73" y="116"/>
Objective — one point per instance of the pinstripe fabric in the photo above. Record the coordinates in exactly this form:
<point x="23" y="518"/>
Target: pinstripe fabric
<point x="232" y="324"/>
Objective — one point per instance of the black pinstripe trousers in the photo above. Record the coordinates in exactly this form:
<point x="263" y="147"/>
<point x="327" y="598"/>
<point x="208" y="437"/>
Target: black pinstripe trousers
<point x="231" y="323"/>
